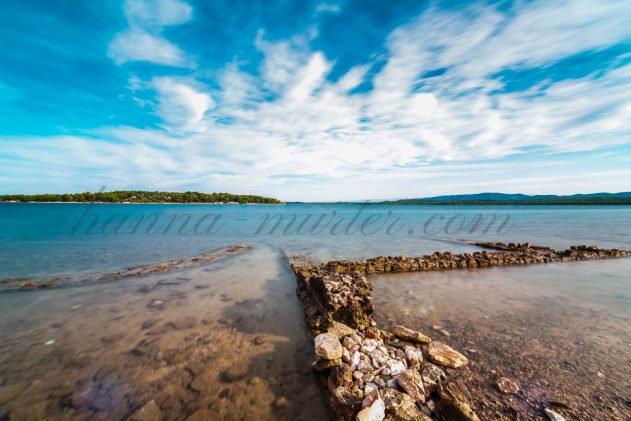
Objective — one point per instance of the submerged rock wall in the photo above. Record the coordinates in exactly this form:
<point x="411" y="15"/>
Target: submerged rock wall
<point x="373" y="374"/>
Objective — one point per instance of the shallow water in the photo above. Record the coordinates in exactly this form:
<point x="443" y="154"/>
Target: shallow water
<point x="84" y="352"/>
<point x="562" y="331"/>
<point x="101" y="351"/>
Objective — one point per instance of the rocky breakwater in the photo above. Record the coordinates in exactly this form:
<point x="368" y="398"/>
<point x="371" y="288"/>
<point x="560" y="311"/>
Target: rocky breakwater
<point x="401" y="374"/>
<point x="501" y="255"/>
<point x="372" y="374"/>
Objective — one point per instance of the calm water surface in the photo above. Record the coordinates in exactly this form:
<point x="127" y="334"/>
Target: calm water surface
<point x="102" y="351"/>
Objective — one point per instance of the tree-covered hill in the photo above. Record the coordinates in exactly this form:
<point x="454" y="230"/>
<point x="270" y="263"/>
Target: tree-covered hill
<point x="139" y="196"/>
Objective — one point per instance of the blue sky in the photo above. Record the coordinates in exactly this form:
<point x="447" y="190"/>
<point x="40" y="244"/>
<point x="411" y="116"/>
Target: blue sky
<point x="323" y="100"/>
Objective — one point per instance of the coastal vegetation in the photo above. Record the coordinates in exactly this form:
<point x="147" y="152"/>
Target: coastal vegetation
<point x="139" y="196"/>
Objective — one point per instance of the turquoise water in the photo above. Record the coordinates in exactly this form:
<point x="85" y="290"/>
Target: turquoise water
<point x="87" y="353"/>
<point x="42" y="240"/>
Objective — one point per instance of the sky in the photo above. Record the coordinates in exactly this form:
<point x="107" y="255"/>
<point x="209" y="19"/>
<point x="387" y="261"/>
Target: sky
<point x="316" y="101"/>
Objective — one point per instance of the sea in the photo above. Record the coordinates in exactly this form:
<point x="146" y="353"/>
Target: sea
<point x="103" y="350"/>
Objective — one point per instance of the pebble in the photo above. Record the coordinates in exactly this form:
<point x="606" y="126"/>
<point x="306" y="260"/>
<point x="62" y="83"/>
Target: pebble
<point x="441" y="354"/>
<point x="410" y="335"/>
<point x="51" y="342"/>
<point x="506" y="385"/>
<point x="258" y="340"/>
<point x="375" y="412"/>
<point x="554" y="416"/>
<point x="281" y="402"/>
<point x="412" y="383"/>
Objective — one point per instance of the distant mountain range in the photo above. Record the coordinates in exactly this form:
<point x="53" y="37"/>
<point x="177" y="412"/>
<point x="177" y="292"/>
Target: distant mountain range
<point x="519" y="196"/>
<point x="623" y="198"/>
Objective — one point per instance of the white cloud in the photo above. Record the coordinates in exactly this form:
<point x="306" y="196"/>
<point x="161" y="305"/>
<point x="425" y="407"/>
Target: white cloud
<point x="137" y="45"/>
<point x="157" y="13"/>
<point x="180" y="105"/>
<point x="143" y="41"/>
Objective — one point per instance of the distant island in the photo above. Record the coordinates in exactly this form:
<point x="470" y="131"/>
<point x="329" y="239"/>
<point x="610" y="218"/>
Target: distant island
<point x="517" y="199"/>
<point x="139" y="196"/>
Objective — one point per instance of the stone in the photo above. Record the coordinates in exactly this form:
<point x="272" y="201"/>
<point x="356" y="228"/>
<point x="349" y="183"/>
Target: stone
<point x="345" y="403"/>
<point x="10" y="391"/>
<point x="395" y="368"/>
<point x="400" y="406"/>
<point x="149" y="412"/>
<point x="413" y="355"/>
<point x="346" y="355"/>
<point x="506" y="385"/>
<point x="235" y="372"/>
<point x="453" y="403"/>
<point x="258" y="340"/>
<point x="321" y="365"/>
<point x="328" y="346"/>
<point x="441" y="354"/>
<point x="554" y="416"/>
<point x="339" y="376"/>
<point x="375" y="412"/>
<point x="281" y="402"/>
<point x="370" y="398"/>
<point x="156" y="304"/>
<point x="340" y="329"/>
<point x="412" y="383"/>
<point x="403" y="332"/>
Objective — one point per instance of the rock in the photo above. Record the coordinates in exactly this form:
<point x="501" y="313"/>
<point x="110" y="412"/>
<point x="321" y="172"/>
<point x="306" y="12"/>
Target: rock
<point x="395" y="368"/>
<point x="328" y="346"/>
<point x="453" y="405"/>
<point x="258" y="340"/>
<point x="370" y="398"/>
<point x="346" y="355"/>
<point x="202" y="415"/>
<point x="10" y="391"/>
<point x="412" y="383"/>
<point x="441" y="354"/>
<point x="400" y="406"/>
<point x="340" y="329"/>
<point x="375" y="412"/>
<point x="432" y="375"/>
<point x="156" y="304"/>
<point x="321" y="365"/>
<point x="149" y="412"/>
<point x="403" y="332"/>
<point x="281" y="402"/>
<point x="413" y="355"/>
<point x="506" y="385"/>
<point x="235" y="372"/>
<point x="345" y="403"/>
<point x="554" y="416"/>
<point x="339" y="376"/>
